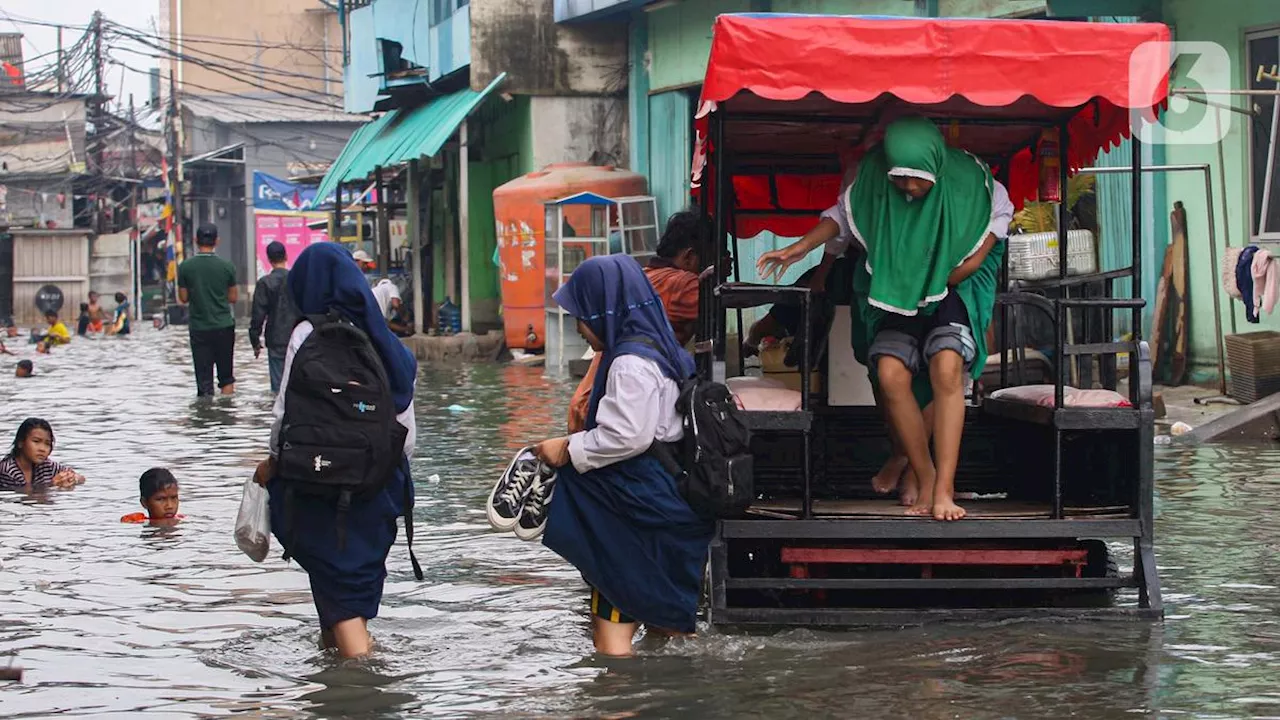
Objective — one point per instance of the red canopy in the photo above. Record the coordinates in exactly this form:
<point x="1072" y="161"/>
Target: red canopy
<point x="799" y="91"/>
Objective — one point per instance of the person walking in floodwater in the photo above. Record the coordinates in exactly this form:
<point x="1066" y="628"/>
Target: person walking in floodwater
<point x="273" y="313"/>
<point x="28" y="467"/>
<point x="207" y="286"/>
<point x="615" y="512"/>
<point x="342" y="544"/>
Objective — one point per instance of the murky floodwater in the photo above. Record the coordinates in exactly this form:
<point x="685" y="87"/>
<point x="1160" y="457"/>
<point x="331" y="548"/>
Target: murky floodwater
<point x="114" y="620"/>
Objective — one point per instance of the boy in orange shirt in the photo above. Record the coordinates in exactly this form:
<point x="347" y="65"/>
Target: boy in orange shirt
<point x="158" y="494"/>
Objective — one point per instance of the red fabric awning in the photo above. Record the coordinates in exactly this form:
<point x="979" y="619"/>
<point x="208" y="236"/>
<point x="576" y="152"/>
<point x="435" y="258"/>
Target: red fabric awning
<point x="804" y="86"/>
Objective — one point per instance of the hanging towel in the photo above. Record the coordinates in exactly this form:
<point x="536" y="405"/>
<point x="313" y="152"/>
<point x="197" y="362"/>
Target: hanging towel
<point x="1244" y="279"/>
<point x="1230" y="261"/>
<point x="1264" y="282"/>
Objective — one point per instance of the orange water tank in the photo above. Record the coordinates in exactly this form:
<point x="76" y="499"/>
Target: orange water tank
<point x="521" y="224"/>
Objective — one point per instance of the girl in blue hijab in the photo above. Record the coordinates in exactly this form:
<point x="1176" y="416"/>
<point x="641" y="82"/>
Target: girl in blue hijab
<point x="615" y="512"/>
<point x="346" y="576"/>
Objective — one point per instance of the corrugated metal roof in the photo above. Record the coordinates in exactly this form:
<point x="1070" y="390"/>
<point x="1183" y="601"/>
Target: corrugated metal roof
<point x="403" y="135"/>
<point x="267" y="109"/>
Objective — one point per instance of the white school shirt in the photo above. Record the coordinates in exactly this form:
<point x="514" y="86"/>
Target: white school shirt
<point x="1001" y="215"/>
<point x="384" y="292"/>
<point x="300" y="333"/>
<point x="638" y="407"/>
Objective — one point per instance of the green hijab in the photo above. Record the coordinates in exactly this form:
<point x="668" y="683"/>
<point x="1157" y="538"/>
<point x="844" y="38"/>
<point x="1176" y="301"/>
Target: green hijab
<point x="912" y="245"/>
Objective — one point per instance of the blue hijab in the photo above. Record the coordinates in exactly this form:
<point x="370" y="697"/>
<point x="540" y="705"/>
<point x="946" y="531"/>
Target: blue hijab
<point x="612" y="295"/>
<point x="324" y="278"/>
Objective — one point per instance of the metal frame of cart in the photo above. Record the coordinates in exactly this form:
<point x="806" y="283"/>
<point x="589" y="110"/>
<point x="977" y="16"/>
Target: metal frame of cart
<point x="812" y="553"/>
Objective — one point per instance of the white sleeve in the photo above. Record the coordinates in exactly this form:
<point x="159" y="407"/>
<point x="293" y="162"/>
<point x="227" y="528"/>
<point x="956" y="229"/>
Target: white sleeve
<point x="407" y="420"/>
<point x="838" y="244"/>
<point x="300" y="334"/>
<point x="626" y="419"/>
<point x="1001" y="211"/>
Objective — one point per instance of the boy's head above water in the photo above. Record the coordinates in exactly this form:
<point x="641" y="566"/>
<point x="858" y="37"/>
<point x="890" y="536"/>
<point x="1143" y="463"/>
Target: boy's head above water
<point x="25" y="369"/>
<point x="158" y="493"/>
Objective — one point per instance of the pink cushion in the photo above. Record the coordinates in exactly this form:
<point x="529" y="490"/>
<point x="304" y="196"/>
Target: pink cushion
<point x="763" y="394"/>
<point x="1042" y="395"/>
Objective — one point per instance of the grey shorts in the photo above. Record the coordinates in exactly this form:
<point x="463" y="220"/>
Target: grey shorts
<point x="915" y="340"/>
<point x="916" y="354"/>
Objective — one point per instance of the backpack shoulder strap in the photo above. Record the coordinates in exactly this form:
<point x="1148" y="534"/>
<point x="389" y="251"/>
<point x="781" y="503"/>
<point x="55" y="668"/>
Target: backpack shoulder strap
<point x="319" y="320"/>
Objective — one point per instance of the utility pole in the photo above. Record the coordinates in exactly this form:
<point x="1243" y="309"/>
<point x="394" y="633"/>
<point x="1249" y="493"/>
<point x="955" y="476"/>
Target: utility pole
<point x="134" y="232"/>
<point x="175" y="167"/>
<point x="59" y="70"/>
<point x="99" y="123"/>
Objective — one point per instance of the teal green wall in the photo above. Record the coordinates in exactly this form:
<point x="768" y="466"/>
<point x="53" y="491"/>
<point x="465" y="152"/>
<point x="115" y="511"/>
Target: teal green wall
<point x="1224" y="23"/>
<point x="505" y="154"/>
<point x="680" y="39"/>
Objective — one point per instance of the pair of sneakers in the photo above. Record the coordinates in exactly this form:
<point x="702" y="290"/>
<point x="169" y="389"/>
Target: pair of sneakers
<point x="518" y="502"/>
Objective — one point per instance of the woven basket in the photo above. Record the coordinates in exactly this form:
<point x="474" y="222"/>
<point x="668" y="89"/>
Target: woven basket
<point x="1254" y="362"/>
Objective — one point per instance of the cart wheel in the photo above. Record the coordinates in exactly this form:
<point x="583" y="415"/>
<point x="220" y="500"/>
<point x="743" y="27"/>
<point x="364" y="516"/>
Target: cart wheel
<point x="1100" y="564"/>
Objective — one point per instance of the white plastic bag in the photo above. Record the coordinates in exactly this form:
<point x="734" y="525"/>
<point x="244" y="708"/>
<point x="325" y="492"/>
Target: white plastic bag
<point x="253" y="522"/>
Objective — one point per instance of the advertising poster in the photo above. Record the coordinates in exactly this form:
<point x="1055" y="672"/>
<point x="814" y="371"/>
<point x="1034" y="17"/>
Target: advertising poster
<point x="289" y="228"/>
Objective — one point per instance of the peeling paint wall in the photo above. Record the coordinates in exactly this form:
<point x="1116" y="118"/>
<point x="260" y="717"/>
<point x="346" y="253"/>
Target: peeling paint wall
<point x="521" y="38"/>
<point x="578" y="129"/>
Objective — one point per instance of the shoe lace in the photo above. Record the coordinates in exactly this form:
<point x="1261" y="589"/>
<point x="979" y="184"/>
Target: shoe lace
<point x="536" y="504"/>
<point x="516" y="491"/>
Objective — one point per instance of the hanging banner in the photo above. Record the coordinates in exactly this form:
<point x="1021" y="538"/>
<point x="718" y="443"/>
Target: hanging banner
<point x="292" y="229"/>
<point x="272" y="193"/>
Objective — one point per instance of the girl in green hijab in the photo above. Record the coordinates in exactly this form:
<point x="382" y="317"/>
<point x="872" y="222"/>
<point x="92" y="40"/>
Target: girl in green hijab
<point x="924" y="292"/>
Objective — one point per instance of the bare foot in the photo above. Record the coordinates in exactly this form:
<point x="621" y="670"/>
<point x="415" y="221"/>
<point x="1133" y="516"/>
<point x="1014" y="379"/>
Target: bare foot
<point x="910" y="489"/>
<point x="946" y="509"/>
<point x="886" y="481"/>
<point x="920" y="509"/>
<point x="229" y="389"/>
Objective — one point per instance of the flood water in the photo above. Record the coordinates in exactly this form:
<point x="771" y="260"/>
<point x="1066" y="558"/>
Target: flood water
<point x="113" y="620"/>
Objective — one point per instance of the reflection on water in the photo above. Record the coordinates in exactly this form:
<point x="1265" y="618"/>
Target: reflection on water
<point x="111" y="619"/>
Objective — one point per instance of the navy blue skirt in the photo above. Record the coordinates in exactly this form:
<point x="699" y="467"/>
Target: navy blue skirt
<point x="630" y="533"/>
<point x="346" y="581"/>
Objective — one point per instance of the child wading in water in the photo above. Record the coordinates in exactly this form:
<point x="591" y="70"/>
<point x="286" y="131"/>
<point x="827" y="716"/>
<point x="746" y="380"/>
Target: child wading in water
<point x="347" y="568"/>
<point x="613" y="511"/>
<point x="28" y="467"/>
<point x="158" y="493"/>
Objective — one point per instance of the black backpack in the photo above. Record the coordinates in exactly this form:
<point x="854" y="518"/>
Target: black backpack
<point x="339" y="439"/>
<point x="712" y="464"/>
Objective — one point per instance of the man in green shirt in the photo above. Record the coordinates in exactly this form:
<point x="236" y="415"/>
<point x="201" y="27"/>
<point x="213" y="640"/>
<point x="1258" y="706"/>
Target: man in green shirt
<point x="207" y="286"/>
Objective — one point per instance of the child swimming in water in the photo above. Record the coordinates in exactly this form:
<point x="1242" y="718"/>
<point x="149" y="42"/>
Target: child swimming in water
<point x="25" y="369"/>
<point x="158" y="493"/>
<point x="28" y="467"/>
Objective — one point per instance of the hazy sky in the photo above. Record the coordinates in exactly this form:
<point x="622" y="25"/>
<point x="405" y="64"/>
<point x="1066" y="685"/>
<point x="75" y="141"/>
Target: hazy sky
<point x="75" y="14"/>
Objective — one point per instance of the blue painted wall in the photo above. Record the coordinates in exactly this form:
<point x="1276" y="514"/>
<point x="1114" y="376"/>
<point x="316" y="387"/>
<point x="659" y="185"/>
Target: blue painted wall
<point x="443" y="47"/>
<point x="360" y="90"/>
<point x="450" y="42"/>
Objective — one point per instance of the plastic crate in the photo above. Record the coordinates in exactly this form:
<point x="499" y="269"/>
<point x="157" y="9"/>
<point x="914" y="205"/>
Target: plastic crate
<point x="1034" y="256"/>
<point x="1254" y="362"/>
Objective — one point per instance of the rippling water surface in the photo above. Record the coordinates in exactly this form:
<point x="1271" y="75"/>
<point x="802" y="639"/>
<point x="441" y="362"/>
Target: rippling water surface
<point x="115" y="620"/>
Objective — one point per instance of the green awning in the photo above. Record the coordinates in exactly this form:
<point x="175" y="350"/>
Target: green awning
<point x="403" y="135"/>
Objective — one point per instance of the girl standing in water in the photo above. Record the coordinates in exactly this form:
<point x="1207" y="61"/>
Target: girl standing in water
<point x="28" y="467"/>
<point x="613" y="511"/>
<point x="347" y="569"/>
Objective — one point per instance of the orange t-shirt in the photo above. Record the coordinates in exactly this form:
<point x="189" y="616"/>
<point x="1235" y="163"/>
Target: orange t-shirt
<point x="141" y="517"/>
<point x="678" y="290"/>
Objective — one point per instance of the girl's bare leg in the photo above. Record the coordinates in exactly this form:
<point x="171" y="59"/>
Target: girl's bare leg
<point x="351" y="637"/>
<point x="613" y="638"/>
<point x="910" y="485"/>
<point x="907" y="421"/>
<point x="946" y="373"/>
